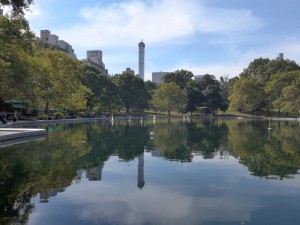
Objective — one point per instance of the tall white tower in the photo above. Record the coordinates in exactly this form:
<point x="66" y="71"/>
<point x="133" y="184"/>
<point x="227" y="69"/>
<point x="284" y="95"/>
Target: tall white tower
<point x="141" y="59"/>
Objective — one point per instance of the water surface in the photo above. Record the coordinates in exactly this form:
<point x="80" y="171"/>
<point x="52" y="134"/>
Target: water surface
<point x="190" y="172"/>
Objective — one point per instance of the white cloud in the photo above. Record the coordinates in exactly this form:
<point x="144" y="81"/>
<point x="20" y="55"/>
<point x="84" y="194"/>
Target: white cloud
<point x="122" y="25"/>
<point x="155" y="21"/>
<point x="33" y="13"/>
<point x="290" y="47"/>
<point x="225" y="21"/>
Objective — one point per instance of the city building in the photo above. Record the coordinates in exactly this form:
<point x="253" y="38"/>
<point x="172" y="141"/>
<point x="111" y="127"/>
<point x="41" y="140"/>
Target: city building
<point x="53" y="40"/>
<point x="94" y="59"/>
<point x="198" y="77"/>
<point x="141" y="180"/>
<point x="280" y="56"/>
<point x="128" y="71"/>
<point x="157" y="77"/>
<point x="141" y="60"/>
<point x="95" y="173"/>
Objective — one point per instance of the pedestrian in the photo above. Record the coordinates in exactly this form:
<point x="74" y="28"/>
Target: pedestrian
<point x="15" y="116"/>
<point x="2" y="119"/>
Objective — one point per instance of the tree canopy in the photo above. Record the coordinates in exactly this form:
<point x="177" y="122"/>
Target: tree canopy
<point x="132" y="91"/>
<point x="263" y="68"/>
<point x="247" y="95"/>
<point x="15" y="53"/>
<point x="283" y="91"/>
<point x="179" y="77"/>
<point x="18" y="6"/>
<point x="57" y="80"/>
<point x="169" y="97"/>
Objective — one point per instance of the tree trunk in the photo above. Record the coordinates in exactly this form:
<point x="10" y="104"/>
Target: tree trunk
<point x="169" y="112"/>
<point x="47" y="107"/>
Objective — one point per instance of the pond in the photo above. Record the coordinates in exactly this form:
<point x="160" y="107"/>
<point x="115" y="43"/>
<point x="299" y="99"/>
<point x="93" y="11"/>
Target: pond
<point x="188" y="172"/>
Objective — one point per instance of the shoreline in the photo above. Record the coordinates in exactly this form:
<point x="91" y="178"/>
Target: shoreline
<point x="11" y="124"/>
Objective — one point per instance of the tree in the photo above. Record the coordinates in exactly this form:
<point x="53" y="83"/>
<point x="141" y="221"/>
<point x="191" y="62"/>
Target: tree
<point x="279" y="90"/>
<point x="206" y="80"/>
<point x="132" y="91"/>
<point x="213" y="98"/>
<point x="194" y="97"/>
<point x="150" y="86"/>
<point x="262" y="69"/>
<point x="247" y="96"/>
<point x="104" y="91"/>
<point x="274" y="89"/>
<point x="212" y="93"/>
<point x="169" y="97"/>
<point x="15" y="56"/>
<point x="179" y="77"/>
<point x="56" y="81"/>
<point x="291" y="95"/>
<point x="226" y="87"/>
<point x="18" y="6"/>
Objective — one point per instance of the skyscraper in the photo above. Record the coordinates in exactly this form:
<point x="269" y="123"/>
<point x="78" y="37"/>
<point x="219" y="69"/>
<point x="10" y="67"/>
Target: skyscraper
<point x="141" y="59"/>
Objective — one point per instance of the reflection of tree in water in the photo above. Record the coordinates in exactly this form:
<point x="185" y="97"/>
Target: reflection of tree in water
<point x="176" y="141"/>
<point x="39" y="167"/>
<point x="36" y="167"/>
<point x="277" y="156"/>
<point x="172" y="142"/>
<point x="207" y="138"/>
<point x="131" y="142"/>
<point x="126" y="141"/>
<point x="15" y="200"/>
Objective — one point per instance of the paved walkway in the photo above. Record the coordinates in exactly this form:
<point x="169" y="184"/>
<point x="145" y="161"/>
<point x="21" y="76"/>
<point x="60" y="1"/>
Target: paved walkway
<point x="11" y="133"/>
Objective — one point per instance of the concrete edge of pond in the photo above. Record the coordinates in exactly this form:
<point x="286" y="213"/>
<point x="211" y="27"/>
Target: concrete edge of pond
<point x="10" y="136"/>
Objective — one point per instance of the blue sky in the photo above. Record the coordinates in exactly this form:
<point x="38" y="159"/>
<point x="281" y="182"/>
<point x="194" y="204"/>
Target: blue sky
<point x="219" y="37"/>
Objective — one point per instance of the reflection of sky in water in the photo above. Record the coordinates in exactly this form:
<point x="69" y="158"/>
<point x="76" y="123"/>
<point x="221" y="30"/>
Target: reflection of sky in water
<point x="203" y="192"/>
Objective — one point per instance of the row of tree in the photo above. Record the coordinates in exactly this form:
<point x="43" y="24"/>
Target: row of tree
<point x="46" y="78"/>
<point x="267" y="85"/>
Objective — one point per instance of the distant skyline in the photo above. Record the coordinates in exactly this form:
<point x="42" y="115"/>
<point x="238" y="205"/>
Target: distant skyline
<point x="204" y="36"/>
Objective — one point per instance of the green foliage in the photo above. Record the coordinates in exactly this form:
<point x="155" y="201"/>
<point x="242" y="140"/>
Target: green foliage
<point x="247" y="96"/>
<point x="283" y="91"/>
<point x="277" y="155"/>
<point x="132" y="91"/>
<point x="104" y="93"/>
<point x="212" y="92"/>
<point x="15" y="54"/>
<point x="18" y="6"/>
<point x="179" y="77"/>
<point x="150" y="87"/>
<point x="274" y="76"/>
<point x="195" y="97"/>
<point x="263" y="69"/>
<point x="169" y="97"/>
<point x="56" y="80"/>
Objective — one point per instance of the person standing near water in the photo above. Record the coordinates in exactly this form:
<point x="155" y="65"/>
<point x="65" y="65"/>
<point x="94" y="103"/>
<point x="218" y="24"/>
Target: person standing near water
<point x="15" y="116"/>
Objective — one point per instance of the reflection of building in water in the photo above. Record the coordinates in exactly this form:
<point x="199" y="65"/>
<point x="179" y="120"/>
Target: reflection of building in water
<point x="156" y="152"/>
<point x="95" y="173"/>
<point x="50" y="193"/>
<point x="141" y="181"/>
<point x="150" y="147"/>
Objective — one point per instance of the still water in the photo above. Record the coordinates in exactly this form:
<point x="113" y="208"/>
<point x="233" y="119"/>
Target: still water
<point x="189" y="172"/>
